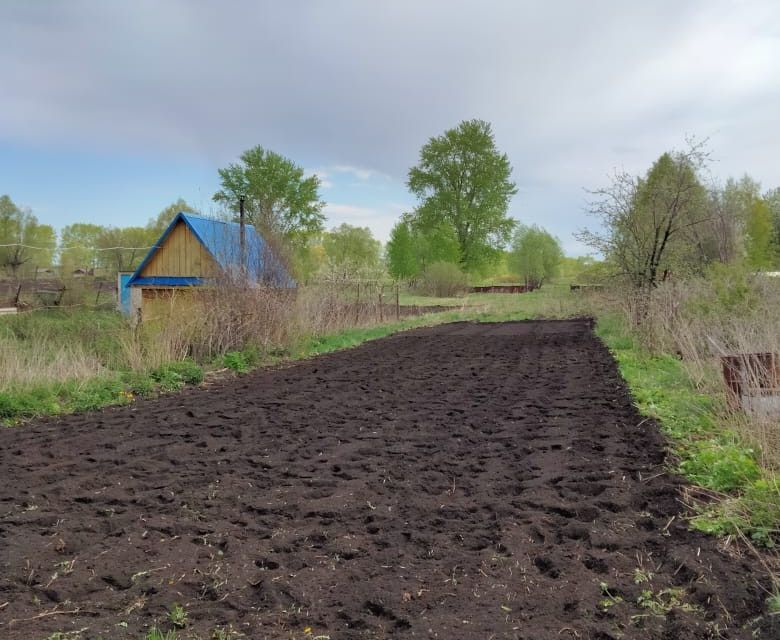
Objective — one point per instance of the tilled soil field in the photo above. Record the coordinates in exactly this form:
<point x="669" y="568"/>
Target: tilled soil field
<point x="466" y="481"/>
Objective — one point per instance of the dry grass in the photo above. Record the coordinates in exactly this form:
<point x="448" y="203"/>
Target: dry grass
<point x="51" y="347"/>
<point x="43" y="362"/>
<point x="206" y="323"/>
<point x="333" y="305"/>
<point x="701" y="320"/>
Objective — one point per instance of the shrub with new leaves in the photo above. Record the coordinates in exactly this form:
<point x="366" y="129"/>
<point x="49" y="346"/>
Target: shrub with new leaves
<point x="443" y="280"/>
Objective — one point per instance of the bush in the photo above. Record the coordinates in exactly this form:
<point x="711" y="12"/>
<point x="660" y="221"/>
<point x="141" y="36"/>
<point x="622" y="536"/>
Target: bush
<point x="167" y="379"/>
<point x="755" y="513"/>
<point x="173" y="376"/>
<point x="234" y="318"/>
<point x="721" y="467"/>
<point x="761" y="501"/>
<point x="94" y="394"/>
<point x="189" y="371"/>
<point x="237" y="361"/>
<point x="443" y="280"/>
<point x="139" y="384"/>
<point x="27" y="404"/>
<point x="504" y="278"/>
<point x="727" y="290"/>
<point x="597" y="273"/>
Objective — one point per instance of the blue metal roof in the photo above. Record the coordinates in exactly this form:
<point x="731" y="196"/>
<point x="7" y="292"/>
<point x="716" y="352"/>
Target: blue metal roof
<point x="222" y="240"/>
<point x="168" y="281"/>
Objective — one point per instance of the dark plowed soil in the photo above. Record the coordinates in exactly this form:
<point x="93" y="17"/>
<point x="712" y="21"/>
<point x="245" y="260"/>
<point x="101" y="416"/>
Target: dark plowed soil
<point x="466" y="481"/>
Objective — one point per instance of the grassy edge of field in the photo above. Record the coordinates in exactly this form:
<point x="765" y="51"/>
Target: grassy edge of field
<point x="116" y="388"/>
<point x="741" y="498"/>
<point x="77" y="396"/>
<point x="123" y="387"/>
<point x="731" y="494"/>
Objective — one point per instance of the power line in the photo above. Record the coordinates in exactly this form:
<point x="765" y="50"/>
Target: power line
<point x="75" y="246"/>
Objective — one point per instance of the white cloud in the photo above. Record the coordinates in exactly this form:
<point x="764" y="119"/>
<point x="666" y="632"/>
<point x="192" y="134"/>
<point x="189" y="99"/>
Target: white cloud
<point x="324" y="176"/>
<point x="359" y="172"/>
<point x="573" y="89"/>
<point x="379" y="219"/>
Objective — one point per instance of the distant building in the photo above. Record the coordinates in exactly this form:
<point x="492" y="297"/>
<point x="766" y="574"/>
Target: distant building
<point x="196" y="252"/>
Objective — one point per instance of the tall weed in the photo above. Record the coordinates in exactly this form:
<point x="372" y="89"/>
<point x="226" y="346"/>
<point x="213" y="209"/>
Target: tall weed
<point x="728" y="312"/>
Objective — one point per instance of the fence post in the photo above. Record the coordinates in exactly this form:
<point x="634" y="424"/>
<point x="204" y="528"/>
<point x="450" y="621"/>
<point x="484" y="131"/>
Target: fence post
<point x="381" y="306"/>
<point x="397" y="301"/>
<point x="357" y="304"/>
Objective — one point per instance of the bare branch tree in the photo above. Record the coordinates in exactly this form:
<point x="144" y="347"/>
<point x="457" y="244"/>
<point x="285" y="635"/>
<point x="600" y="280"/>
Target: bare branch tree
<point x="645" y="220"/>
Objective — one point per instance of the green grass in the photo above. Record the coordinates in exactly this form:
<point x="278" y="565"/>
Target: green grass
<point x="157" y="634"/>
<point x="242" y="361"/>
<point x="97" y="333"/>
<point x="115" y="388"/>
<point x="410" y="299"/>
<point x="56" y="362"/>
<point x="551" y="301"/>
<point x="773" y="604"/>
<point x="177" y="615"/>
<point x="708" y="453"/>
<point x="175" y="375"/>
<point x="317" y="345"/>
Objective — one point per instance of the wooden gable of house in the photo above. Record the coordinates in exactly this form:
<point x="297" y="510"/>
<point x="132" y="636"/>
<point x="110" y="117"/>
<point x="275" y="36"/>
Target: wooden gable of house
<point x="181" y="254"/>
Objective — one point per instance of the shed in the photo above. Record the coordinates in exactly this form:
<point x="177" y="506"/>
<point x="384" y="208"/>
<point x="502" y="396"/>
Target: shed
<point x="200" y="252"/>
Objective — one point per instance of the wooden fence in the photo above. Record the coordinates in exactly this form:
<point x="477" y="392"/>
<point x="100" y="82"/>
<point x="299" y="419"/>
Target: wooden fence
<point x="47" y="293"/>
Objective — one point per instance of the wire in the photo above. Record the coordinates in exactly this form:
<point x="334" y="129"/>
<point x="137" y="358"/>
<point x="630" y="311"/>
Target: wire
<point x="76" y="246"/>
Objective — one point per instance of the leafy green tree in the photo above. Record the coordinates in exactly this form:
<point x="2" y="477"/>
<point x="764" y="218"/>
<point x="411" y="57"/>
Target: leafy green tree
<point x="571" y="268"/>
<point x="78" y="246"/>
<point x="122" y="249"/>
<point x="308" y="260"/>
<point x="351" y="250"/>
<point x="719" y="236"/>
<point x="759" y="245"/>
<point x="597" y="272"/>
<point x="23" y="240"/>
<point x="438" y="243"/>
<point x="645" y="220"/>
<point x="412" y="247"/>
<point x="160" y="223"/>
<point x="536" y="255"/>
<point x="736" y="200"/>
<point x="463" y="181"/>
<point x="401" y="254"/>
<point x="279" y="200"/>
<point x="772" y="199"/>
<point x="725" y="236"/>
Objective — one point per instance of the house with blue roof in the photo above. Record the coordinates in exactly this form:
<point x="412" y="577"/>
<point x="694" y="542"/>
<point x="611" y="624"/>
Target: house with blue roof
<point x="200" y="252"/>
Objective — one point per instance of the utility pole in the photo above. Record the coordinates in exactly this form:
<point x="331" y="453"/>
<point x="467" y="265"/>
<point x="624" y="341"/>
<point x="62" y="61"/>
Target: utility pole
<point x="241" y="236"/>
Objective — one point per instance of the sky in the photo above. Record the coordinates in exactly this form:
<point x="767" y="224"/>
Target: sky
<point x="110" y="111"/>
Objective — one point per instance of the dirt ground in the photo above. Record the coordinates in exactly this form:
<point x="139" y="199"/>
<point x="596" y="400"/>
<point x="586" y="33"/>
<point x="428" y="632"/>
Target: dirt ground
<point x="465" y="481"/>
